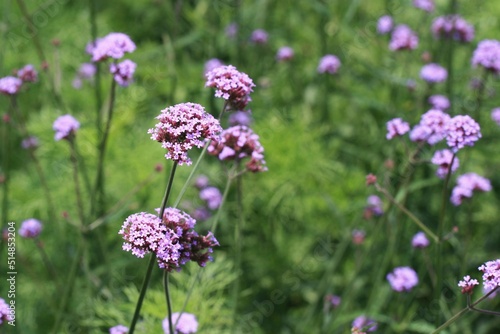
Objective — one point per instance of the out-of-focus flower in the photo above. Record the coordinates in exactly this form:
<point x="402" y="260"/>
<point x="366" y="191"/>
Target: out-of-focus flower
<point x="10" y="85"/>
<point x="396" y="127"/>
<point x="212" y="196"/>
<point x="231" y="85"/>
<point x="358" y="237"/>
<point x="426" y="5"/>
<point x="468" y="284"/>
<point x="201" y="182"/>
<point x="403" y="38"/>
<point x="431" y="127"/>
<point x="123" y="72"/>
<point x="212" y="64"/>
<point x="439" y="102"/>
<point x="87" y="71"/>
<point x="454" y="27"/>
<point x="65" y="127"/>
<point x="30" y="228"/>
<point x="332" y="301"/>
<point x="259" y="36"/>
<point x="371" y="179"/>
<point x="113" y="45"/>
<point x="385" y="24"/>
<point x="284" y="53"/>
<point x="443" y="160"/>
<point x="461" y="131"/>
<point x="186" y="323"/>
<point x="433" y="73"/>
<point x="28" y="74"/>
<point x="495" y="115"/>
<point x="5" y="315"/>
<point x="419" y="240"/>
<point x="182" y="127"/>
<point x="467" y="184"/>
<point x="232" y="30"/>
<point x="237" y="143"/>
<point x="363" y="323"/>
<point x="329" y="64"/>
<point x="240" y="118"/>
<point x="487" y="55"/>
<point x="30" y="143"/>
<point x="402" y="279"/>
<point x="118" y="329"/>
<point x="374" y="207"/>
<point x="491" y="274"/>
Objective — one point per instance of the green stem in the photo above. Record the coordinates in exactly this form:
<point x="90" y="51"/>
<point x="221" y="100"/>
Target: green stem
<point x="238" y="243"/>
<point x="5" y="173"/>
<point x="169" y="303"/>
<point x="79" y="201"/>
<point x="97" y="76"/>
<point x="46" y="261"/>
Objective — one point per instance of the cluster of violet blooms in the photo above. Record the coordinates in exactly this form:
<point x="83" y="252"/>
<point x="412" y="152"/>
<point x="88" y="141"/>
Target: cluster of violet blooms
<point x="186" y="323"/>
<point x="11" y="85"/>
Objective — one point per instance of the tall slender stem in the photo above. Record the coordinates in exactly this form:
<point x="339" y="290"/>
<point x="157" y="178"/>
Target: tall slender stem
<point x="169" y="303"/>
<point x="79" y="201"/>
<point x="97" y="76"/>
<point x="238" y="242"/>
<point x="5" y="173"/>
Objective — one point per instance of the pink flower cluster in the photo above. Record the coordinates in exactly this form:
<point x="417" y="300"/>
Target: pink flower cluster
<point x="466" y="185"/>
<point x="396" y="127"/>
<point x="10" y="85"/>
<point x="487" y="55"/>
<point x="452" y="26"/>
<point x="30" y="228"/>
<point x="385" y="24"/>
<point x="4" y="312"/>
<point x="185" y="323"/>
<point x="329" y="64"/>
<point x="123" y="72"/>
<point x="433" y="73"/>
<point x="113" y="45"/>
<point x="443" y="159"/>
<point x="182" y="127"/>
<point x="239" y="142"/>
<point x="431" y="127"/>
<point x="402" y="279"/>
<point x="426" y="5"/>
<point x="65" y="127"/>
<point x="491" y="274"/>
<point x="461" y="131"/>
<point x="231" y="85"/>
<point x="28" y="74"/>
<point x="468" y="284"/>
<point x="403" y="38"/>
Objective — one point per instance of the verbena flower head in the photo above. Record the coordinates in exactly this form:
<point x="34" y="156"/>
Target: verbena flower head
<point x="192" y="247"/>
<point x="468" y="284"/>
<point x="231" y="85"/>
<point x="433" y="73"/>
<point x="487" y="55"/>
<point x="396" y="127"/>
<point x="333" y="301"/>
<point x="329" y="64"/>
<point x="144" y="233"/>
<point x="240" y="118"/>
<point x="443" y="160"/>
<point x="284" y="53"/>
<point x="495" y="115"/>
<point x="123" y="72"/>
<point x="118" y="329"/>
<point x="363" y="323"/>
<point x="212" y="196"/>
<point x="182" y="127"/>
<point x="237" y="143"/>
<point x="232" y="30"/>
<point x="385" y="24"/>
<point x="65" y="127"/>
<point x="431" y="127"/>
<point x="403" y="38"/>
<point x="467" y="184"/>
<point x="461" y="131"/>
<point x="426" y="5"/>
<point x="4" y="312"/>
<point x="87" y="71"/>
<point x="30" y="143"/>
<point x="439" y="102"/>
<point x="113" y="45"/>
<point x="212" y="64"/>
<point x="186" y="323"/>
<point x="420" y="240"/>
<point x="28" y="74"/>
<point x="491" y="274"/>
<point x="454" y="27"/>
<point x="10" y="85"/>
<point x="374" y="207"/>
<point x="402" y="279"/>
<point x="30" y="228"/>
<point x="259" y="36"/>
<point x="201" y="182"/>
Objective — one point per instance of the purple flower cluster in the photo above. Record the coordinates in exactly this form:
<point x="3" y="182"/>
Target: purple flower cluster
<point x="385" y="24"/>
<point x="466" y="185"/>
<point x="186" y="323"/>
<point x="284" y="53"/>
<point x="113" y="45"/>
<point x="212" y="196"/>
<point x="495" y="115"/>
<point x="443" y="159"/>
<point x="358" y="236"/>
<point x="240" y="118"/>
<point x="28" y="74"/>
<point x="468" y="284"/>
<point x="363" y="323"/>
<point x="374" y="207"/>
<point x="426" y="5"/>
<point x="487" y="55"/>
<point x="239" y="142"/>
<point x="85" y="72"/>
<point x="212" y="64"/>
<point x="461" y="131"/>
<point x="491" y="274"/>
<point x="452" y="26"/>
<point x="118" y="329"/>
<point x="231" y="85"/>
<point x="396" y="127"/>
<point x="65" y="127"/>
<point x="10" y="85"/>
<point x="403" y="38"/>
<point x="419" y="240"/>
<point x="259" y="36"/>
<point x="182" y="127"/>
<point x="433" y="73"/>
<point x="30" y="228"/>
<point x="30" y="143"/>
<point x="439" y="102"/>
<point x="402" y="279"/>
<point x="4" y="312"/>
<point x="123" y="72"/>
<point x="431" y="127"/>
<point x="329" y="64"/>
<point x="332" y="301"/>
